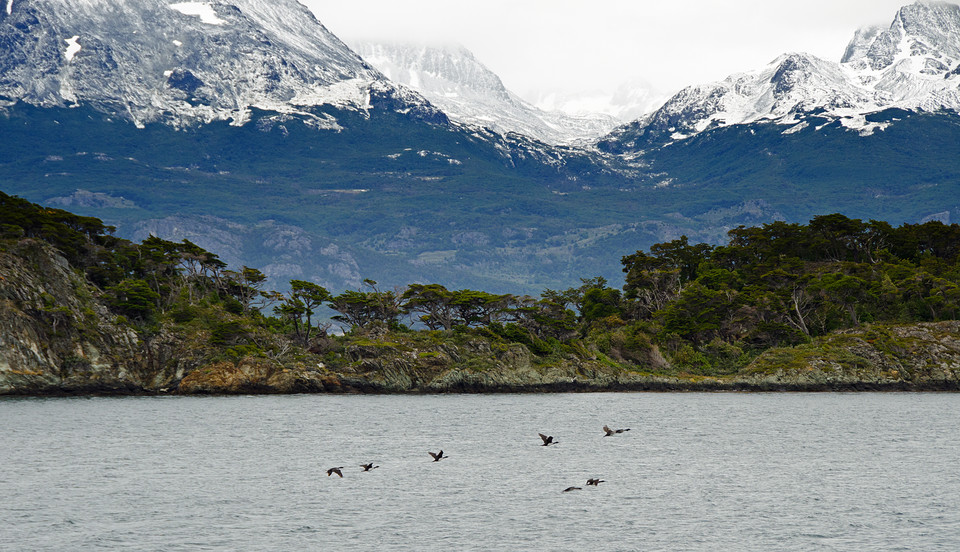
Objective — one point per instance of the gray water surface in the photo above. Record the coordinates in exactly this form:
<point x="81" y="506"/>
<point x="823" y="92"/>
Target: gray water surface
<point x="696" y="472"/>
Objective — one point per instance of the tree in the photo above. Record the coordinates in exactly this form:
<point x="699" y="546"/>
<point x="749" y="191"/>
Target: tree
<point x="299" y="307"/>
<point x="434" y="302"/>
<point x="698" y="313"/>
<point x="246" y="287"/>
<point x="361" y="308"/>
<point x="680" y="255"/>
<point x="201" y="265"/>
<point x="157" y="263"/>
<point x="546" y="317"/>
<point x="478" y="307"/>
<point x="649" y="284"/>
<point x="845" y="291"/>
<point x="133" y="298"/>
<point x="598" y="303"/>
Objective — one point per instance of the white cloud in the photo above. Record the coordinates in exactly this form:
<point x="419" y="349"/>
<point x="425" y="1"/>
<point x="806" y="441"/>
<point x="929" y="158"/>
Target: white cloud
<point x="576" y="45"/>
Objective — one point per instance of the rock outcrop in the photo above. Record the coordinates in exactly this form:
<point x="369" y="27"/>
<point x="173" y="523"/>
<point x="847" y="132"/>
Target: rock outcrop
<point x="54" y="334"/>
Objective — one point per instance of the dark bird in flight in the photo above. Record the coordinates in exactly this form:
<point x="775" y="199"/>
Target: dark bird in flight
<point x="595" y="482"/>
<point x="610" y="432"/>
<point x="368" y="467"/>
<point x="438" y="456"/>
<point x="547" y="440"/>
<point x="568" y="489"/>
<point x="336" y="470"/>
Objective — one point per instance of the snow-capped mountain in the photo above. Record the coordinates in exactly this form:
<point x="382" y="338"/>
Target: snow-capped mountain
<point x="912" y="65"/>
<point x="181" y="62"/>
<point x="451" y="78"/>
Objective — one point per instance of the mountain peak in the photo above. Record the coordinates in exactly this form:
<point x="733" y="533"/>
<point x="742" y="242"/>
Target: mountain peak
<point x="174" y="60"/>
<point x="912" y="64"/>
<point x="446" y="68"/>
<point x="453" y="79"/>
<point x="922" y="30"/>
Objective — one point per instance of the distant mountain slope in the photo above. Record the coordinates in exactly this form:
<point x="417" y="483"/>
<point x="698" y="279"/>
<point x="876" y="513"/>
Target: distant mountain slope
<point x="913" y="65"/>
<point x="286" y="152"/>
<point x="456" y="82"/>
<point x="181" y="62"/>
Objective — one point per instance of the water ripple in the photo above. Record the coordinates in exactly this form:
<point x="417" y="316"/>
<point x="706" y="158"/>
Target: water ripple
<point x="696" y="472"/>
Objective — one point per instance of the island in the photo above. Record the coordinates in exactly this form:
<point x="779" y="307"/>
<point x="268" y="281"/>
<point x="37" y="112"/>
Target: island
<point x="837" y="304"/>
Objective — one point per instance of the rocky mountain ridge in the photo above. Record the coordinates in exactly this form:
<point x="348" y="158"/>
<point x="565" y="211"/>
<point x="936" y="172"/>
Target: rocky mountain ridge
<point x="912" y="65"/>
<point x="184" y="63"/>
<point x="259" y="156"/>
<point x="452" y="79"/>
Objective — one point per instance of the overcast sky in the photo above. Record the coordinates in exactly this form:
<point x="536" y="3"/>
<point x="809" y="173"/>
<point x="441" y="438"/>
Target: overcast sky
<point x="579" y="45"/>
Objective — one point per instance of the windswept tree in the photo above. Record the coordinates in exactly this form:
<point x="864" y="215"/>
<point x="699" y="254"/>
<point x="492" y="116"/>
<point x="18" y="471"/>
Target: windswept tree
<point x="201" y="266"/>
<point x="246" y="285"/>
<point x="479" y="307"/>
<point x="157" y="263"/>
<point x="361" y="308"/>
<point x="434" y="303"/>
<point x="544" y="317"/>
<point x="442" y="308"/>
<point x="650" y="284"/>
<point x="299" y="307"/>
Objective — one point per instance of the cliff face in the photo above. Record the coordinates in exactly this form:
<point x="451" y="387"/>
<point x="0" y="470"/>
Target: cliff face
<point x="54" y="334"/>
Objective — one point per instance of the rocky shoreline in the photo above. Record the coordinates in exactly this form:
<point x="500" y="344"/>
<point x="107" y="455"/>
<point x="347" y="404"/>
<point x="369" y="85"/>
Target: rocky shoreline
<point x="58" y="339"/>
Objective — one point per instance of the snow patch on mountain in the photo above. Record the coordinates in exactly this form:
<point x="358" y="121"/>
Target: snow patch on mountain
<point x="451" y="78"/>
<point x="914" y="64"/>
<point x="72" y="47"/>
<point x="201" y="9"/>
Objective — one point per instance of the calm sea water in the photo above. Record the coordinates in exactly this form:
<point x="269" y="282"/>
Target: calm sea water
<point x="696" y="472"/>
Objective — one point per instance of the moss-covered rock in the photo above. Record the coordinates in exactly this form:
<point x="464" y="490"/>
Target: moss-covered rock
<point x="913" y="356"/>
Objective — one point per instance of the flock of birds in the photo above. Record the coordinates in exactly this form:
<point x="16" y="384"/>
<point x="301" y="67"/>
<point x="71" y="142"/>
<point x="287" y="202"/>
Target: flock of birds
<point x="547" y="441"/>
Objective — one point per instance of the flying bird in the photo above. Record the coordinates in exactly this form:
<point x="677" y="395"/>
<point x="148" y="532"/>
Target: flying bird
<point x="610" y="432"/>
<point x="336" y="470"/>
<point x="595" y="482"/>
<point x="547" y="440"/>
<point x="568" y="489"/>
<point x="368" y="467"/>
<point x="438" y="456"/>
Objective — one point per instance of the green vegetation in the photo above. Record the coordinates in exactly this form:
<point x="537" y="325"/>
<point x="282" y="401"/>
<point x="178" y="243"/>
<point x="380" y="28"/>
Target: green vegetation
<point x="786" y="293"/>
<point x="506" y="217"/>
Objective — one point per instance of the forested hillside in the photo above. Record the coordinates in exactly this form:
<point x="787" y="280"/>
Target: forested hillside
<point x="863" y="301"/>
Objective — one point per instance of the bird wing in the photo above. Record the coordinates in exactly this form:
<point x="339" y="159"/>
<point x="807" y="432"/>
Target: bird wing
<point x="607" y="430"/>
<point x="544" y="437"/>
<point x="435" y="456"/>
